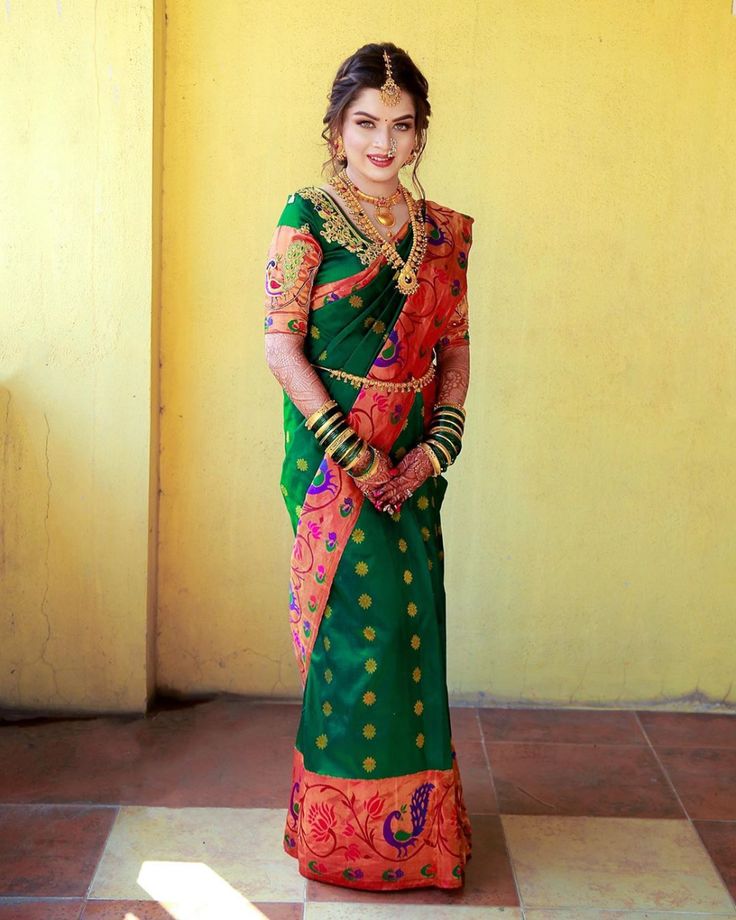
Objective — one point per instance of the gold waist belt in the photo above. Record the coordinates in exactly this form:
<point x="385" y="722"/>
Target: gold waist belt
<point x="392" y="386"/>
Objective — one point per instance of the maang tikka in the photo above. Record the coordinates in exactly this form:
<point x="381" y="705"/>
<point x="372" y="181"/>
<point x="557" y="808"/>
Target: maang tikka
<point x="390" y="91"/>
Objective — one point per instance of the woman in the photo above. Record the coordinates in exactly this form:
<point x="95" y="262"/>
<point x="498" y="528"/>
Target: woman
<point x="365" y="285"/>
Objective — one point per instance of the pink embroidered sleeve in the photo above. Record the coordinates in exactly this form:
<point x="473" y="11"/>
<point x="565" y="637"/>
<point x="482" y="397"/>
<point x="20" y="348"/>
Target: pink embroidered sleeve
<point x="291" y="265"/>
<point x="457" y="331"/>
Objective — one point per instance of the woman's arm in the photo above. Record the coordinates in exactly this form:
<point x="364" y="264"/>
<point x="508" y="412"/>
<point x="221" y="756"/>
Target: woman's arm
<point x="453" y="370"/>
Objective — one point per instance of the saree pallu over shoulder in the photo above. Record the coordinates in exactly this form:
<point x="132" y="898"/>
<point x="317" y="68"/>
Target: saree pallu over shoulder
<point x="376" y="794"/>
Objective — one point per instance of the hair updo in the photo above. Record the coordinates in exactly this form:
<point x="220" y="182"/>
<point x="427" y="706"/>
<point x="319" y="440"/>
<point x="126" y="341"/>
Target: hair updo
<point x="366" y="68"/>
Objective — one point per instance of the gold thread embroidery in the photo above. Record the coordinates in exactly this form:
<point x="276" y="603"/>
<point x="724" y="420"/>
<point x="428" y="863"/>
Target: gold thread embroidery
<point x="337" y="228"/>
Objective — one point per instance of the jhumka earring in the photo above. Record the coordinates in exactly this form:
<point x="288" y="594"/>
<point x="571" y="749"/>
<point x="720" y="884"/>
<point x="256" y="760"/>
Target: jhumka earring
<point x="340" y="149"/>
<point x="411" y="158"/>
<point x="390" y="91"/>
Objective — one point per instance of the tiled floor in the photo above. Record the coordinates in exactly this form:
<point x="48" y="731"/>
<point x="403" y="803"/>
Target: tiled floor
<point x="576" y="815"/>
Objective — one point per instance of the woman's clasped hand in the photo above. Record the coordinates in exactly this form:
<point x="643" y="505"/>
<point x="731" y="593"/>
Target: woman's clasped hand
<point x="391" y="485"/>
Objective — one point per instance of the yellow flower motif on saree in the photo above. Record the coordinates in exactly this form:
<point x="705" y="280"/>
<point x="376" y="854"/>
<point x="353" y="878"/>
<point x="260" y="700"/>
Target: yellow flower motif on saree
<point x="314" y="332"/>
<point x="425" y="533"/>
<point x="422" y="502"/>
<point x="328" y="611"/>
<point x="358" y="535"/>
<point x="369" y="764"/>
<point x="369" y="697"/>
<point x="301" y="464"/>
<point x="429" y="564"/>
<point x="417" y="675"/>
<point x="370" y="633"/>
<point x="371" y="665"/>
<point x="378" y="327"/>
<point x="396" y="516"/>
<point x="408" y="577"/>
<point x="321" y="742"/>
<point x="355" y="301"/>
<point x="361" y="568"/>
<point x="328" y="675"/>
<point x="411" y="609"/>
<point x="365" y="600"/>
<point x="420" y="740"/>
<point x="298" y="510"/>
<point x="323" y="356"/>
<point x="326" y="707"/>
<point x="326" y="643"/>
<point x="284" y="490"/>
<point x="403" y="545"/>
<point x="419" y="707"/>
<point x="415" y="641"/>
<point x="369" y="730"/>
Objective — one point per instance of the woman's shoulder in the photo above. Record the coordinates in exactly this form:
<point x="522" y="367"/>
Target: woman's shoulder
<point x="445" y="216"/>
<point x="445" y="210"/>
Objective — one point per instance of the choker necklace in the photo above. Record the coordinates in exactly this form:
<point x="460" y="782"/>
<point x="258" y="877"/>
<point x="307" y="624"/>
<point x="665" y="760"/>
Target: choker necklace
<point x="406" y="272"/>
<point x="383" y="204"/>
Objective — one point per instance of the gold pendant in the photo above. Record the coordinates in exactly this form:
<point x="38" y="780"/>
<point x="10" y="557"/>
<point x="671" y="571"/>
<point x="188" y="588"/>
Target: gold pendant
<point x="406" y="280"/>
<point x="385" y="216"/>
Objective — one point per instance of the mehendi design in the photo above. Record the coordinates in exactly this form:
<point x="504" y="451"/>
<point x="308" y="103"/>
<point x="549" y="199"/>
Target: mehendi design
<point x="453" y="375"/>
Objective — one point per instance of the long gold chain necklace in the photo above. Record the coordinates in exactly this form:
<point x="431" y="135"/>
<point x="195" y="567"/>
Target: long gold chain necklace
<point x="406" y="274"/>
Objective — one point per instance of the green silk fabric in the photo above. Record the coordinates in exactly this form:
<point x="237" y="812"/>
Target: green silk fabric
<point x="375" y="701"/>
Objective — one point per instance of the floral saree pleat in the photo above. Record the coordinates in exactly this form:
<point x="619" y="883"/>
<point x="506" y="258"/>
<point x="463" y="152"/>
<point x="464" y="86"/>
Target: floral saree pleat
<point x="376" y="800"/>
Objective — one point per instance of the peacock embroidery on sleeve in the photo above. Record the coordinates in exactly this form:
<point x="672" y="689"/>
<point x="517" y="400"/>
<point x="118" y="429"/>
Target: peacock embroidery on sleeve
<point x="291" y="265"/>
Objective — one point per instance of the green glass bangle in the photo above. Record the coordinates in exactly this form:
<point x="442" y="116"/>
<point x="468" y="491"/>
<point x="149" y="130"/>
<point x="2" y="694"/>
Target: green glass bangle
<point x="441" y="452"/>
<point x="450" y="420"/>
<point x="332" y="432"/>
<point x="328" y="419"/>
<point x="454" y="442"/>
<point x="352" y="454"/>
<point x="347" y="447"/>
<point x="446" y="442"/>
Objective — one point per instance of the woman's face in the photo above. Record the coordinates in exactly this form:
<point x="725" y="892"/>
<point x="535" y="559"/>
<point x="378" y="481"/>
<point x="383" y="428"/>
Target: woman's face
<point x="369" y="127"/>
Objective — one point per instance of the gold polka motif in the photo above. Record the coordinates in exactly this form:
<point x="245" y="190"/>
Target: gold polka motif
<point x="357" y="535"/>
<point x="425" y="533"/>
<point x="429" y="564"/>
<point x="371" y="665"/>
<point x="355" y="300"/>
<point x="370" y="633"/>
<point x="328" y="675"/>
<point x="369" y="764"/>
<point x="327" y="707"/>
<point x="365" y="600"/>
<point x="420" y="740"/>
<point x="417" y="675"/>
<point x="418" y="707"/>
<point x="411" y="609"/>
<point x="361" y="568"/>
<point x="369" y="697"/>
<point x="408" y="577"/>
<point x="403" y="545"/>
<point x="396" y="516"/>
<point x="321" y="742"/>
<point x="328" y="611"/>
<point x="423" y="502"/>
<point x="415" y="641"/>
<point x="326" y="643"/>
<point x="369" y="730"/>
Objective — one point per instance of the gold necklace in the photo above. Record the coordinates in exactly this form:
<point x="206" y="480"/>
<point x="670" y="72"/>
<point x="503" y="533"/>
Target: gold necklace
<point x="383" y="204"/>
<point x="406" y="272"/>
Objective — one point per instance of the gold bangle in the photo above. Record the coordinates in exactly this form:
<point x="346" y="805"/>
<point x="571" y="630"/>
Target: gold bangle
<point x="372" y="466"/>
<point x="328" y="404"/>
<point x="329" y="423"/>
<point x="451" y="414"/>
<point x="452" y="431"/>
<point x="432" y="458"/>
<point x="452" y="405"/>
<point x="346" y="449"/>
<point x="442" y="447"/>
<point x="333" y="445"/>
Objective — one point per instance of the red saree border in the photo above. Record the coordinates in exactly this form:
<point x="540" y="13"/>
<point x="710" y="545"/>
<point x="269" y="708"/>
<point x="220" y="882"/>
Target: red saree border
<point x="407" y="831"/>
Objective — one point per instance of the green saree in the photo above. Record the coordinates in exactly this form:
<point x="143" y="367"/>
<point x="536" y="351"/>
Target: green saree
<point x="376" y="800"/>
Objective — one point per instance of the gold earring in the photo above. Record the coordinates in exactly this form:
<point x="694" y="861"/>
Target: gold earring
<point x="411" y="158"/>
<point x="340" y="149"/>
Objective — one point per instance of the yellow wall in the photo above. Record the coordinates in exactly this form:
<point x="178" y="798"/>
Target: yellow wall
<point x="590" y="521"/>
<point x="75" y="354"/>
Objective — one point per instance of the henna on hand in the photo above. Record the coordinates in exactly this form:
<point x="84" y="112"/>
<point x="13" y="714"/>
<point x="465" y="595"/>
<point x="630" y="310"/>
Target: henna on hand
<point x="413" y="470"/>
<point x="453" y="371"/>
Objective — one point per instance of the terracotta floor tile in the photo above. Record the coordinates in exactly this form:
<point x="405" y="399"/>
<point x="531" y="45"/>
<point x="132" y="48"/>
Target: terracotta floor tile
<point x="476" y="778"/>
<point x="152" y="910"/>
<point x="393" y="911"/>
<point x="613" y="863"/>
<point x="719" y="838"/>
<point x="465" y="725"/>
<point x="202" y="855"/>
<point x="580" y="779"/>
<point x="221" y="754"/>
<point x="488" y="878"/>
<point x="50" y="851"/>
<point x="67" y="909"/>
<point x="568" y="913"/>
<point x="689" y="729"/>
<point x="560" y="725"/>
<point x="705" y="780"/>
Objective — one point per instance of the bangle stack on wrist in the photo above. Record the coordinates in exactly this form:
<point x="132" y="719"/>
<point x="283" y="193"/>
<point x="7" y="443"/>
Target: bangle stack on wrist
<point x="444" y="441"/>
<point x="338" y="439"/>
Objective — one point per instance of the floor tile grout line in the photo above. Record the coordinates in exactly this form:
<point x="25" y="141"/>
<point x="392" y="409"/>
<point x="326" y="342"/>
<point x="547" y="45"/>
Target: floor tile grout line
<point x="688" y="818"/>
<point x="102" y="853"/>
<point x="498" y="813"/>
